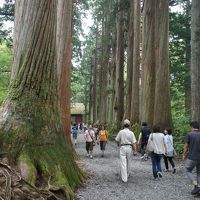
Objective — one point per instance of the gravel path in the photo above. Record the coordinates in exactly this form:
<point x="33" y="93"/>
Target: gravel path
<point x="104" y="182"/>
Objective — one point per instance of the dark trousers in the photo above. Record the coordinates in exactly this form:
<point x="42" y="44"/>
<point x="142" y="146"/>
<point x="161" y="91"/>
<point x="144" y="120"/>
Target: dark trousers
<point x="143" y="148"/>
<point x="103" y="145"/>
<point x="156" y="165"/>
<point x="89" y="146"/>
<point x="166" y="162"/>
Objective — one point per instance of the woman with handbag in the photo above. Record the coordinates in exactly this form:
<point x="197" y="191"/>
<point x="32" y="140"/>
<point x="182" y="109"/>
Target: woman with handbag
<point x="157" y="147"/>
<point x="170" y="150"/>
<point x="90" y="141"/>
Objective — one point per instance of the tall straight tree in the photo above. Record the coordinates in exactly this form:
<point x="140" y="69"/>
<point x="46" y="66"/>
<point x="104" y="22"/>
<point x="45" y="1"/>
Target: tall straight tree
<point x="32" y="131"/>
<point x="130" y="58"/>
<point x="112" y="116"/>
<point x="95" y="76"/>
<point x="106" y="55"/>
<point x="119" y="81"/>
<point x="136" y="64"/>
<point x="155" y="64"/>
<point x="195" y="60"/>
<point x="64" y="48"/>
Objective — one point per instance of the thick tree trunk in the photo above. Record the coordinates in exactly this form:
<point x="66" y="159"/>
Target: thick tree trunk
<point x="195" y="60"/>
<point x="136" y="65"/>
<point x="148" y="62"/>
<point x="162" y="111"/>
<point x="64" y="47"/>
<point x="32" y="131"/>
<point x="119" y="85"/>
<point x="18" y="43"/>
<point x="155" y="77"/>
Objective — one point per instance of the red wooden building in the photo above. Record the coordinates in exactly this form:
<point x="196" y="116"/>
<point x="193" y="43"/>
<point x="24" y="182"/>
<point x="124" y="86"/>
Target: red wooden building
<point x="77" y="113"/>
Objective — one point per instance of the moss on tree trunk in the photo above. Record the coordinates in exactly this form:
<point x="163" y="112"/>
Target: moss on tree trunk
<point x="32" y="136"/>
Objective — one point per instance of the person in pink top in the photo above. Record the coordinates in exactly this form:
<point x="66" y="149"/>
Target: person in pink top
<point x="90" y="140"/>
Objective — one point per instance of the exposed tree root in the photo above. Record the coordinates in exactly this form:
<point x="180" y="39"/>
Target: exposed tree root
<point x="13" y="186"/>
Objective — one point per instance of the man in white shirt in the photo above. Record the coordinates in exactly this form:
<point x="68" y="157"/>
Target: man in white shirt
<point x="126" y="140"/>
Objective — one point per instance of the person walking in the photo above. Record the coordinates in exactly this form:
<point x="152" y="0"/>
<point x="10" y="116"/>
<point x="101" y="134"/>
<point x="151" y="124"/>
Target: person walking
<point x="143" y="138"/>
<point x="90" y="141"/>
<point x="170" y="150"/>
<point x="103" y="137"/>
<point x="126" y="140"/>
<point x="74" y="133"/>
<point x="159" y="148"/>
<point x="192" y="148"/>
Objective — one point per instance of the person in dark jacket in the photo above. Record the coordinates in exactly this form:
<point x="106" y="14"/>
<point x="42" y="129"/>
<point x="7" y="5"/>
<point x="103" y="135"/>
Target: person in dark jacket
<point x="143" y="138"/>
<point x="192" y="149"/>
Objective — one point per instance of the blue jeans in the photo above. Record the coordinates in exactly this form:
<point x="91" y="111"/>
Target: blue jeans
<point x="189" y="166"/>
<point x="156" y="165"/>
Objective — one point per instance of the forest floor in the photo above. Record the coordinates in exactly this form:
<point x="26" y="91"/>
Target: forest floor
<point x="104" y="181"/>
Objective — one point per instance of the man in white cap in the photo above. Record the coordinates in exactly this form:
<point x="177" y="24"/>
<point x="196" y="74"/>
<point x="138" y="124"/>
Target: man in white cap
<point x="126" y="140"/>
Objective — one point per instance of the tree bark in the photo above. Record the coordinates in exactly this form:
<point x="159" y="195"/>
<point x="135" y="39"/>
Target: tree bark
<point x="32" y="131"/>
<point x="64" y="47"/>
<point x="136" y="65"/>
<point x="113" y="79"/>
<point x="119" y="85"/>
<point x="155" y="63"/>
<point x="95" y="78"/>
<point x="148" y="62"/>
<point x="130" y="58"/>
<point x="195" y="60"/>
<point x="162" y="107"/>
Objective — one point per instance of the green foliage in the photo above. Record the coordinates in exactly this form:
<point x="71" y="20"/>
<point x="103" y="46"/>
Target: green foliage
<point x="136" y="129"/>
<point x="5" y="62"/>
<point x="7" y="10"/>
<point x="179" y="48"/>
<point x="6" y="16"/>
<point x="113" y="129"/>
<point x="79" y="11"/>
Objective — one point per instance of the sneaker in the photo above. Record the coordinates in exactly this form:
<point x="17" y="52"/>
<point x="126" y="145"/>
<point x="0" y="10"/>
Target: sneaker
<point x="195" y="190"/>
<point x="88" y="155"/>
<point x="91" y="156"/>
<point x="174" y="171"/>
<point x="155" y="179"/>
<point x="159" y="174"/>
<point x="166" y="170"/>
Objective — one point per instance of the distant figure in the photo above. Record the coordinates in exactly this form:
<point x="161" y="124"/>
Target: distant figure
<point x="103" y="137"/>
<point x="143" y="138"/>
<point x="90" y="141"/>
<point x="81" y="126"/>
<point x="126" y="140"/>
<point x="96" y="130"/>
<point x="75" y="133"/>
<point x="192" y="148"/>
<point x="158" y="140"/>
<point x="170" y="150"/>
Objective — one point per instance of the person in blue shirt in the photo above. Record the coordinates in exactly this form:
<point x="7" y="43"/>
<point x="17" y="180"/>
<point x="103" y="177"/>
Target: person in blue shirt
<point x="75" y="133"/>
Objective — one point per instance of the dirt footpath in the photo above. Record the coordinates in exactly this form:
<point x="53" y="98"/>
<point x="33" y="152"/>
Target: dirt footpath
<point x="104" y="182"/>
